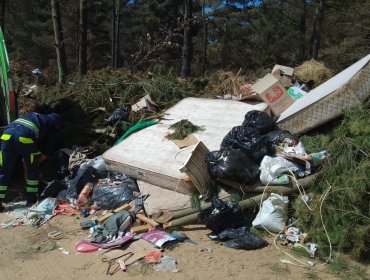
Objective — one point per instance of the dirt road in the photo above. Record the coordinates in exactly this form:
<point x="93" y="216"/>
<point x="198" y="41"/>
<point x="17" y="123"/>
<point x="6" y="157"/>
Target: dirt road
<point x="28" y="253"/>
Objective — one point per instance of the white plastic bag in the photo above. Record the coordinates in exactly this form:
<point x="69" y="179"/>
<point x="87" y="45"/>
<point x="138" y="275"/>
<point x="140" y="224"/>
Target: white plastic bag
<point x="273" y="167"/>
<point x="273" y="213"/>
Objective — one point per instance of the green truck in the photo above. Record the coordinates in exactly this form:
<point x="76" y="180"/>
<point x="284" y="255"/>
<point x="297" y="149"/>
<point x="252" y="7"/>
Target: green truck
<point x="8" y="102"/>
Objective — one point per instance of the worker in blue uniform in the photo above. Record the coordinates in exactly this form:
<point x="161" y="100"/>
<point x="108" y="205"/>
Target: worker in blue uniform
<point x="32" y="136"/>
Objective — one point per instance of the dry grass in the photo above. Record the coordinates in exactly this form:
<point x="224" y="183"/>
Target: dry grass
<point x="313" y="70"/>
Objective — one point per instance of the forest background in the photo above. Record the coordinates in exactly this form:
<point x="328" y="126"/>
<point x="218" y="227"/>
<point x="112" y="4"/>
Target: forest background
<point x="190" y="37"/>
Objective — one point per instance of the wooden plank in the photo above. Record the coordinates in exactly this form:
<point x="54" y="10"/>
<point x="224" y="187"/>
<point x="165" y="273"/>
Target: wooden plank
<point x="123" y="207"/>
<point x="147" y="220"/>
<point x="140" y="229"/>
<point x="106" y="216"/>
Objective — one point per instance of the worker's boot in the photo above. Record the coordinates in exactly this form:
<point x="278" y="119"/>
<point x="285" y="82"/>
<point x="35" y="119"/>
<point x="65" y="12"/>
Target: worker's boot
<point x="31" y="199"/>
<point x="32" y="192"/>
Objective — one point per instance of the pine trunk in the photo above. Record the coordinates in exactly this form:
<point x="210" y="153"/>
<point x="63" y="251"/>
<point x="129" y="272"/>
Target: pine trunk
<point x="316" y="29"/>
<point x="118" y="29"/>
<point x="302" y="29"/>
<point x="187" y="47"/>
<point x="59" y="41"/>
<point x="205" y="39"/>
<point x="82" y="52"/>
<point x="113" y="50"/>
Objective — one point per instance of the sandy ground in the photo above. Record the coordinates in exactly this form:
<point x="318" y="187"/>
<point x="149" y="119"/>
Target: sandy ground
<point x="26" y="253"/>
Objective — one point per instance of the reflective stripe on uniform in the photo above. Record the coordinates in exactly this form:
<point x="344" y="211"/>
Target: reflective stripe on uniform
<point x="2" y="195"/>
<point x="6" y="137"/>
<point x="29" y="124"/>
<point x="33" y="155"/>
<point x="26" y="140"/>
<point x="3" y="188"/>
<point x="32" y="190"/>
<point x="32" y="182"/>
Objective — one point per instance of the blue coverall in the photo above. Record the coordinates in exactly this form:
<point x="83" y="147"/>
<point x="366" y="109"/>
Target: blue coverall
<point x="27" y="136"/>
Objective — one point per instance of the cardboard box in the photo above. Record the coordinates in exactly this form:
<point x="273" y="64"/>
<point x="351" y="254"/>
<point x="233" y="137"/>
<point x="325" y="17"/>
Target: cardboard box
<point x="273" y="93"/>
<point x="284" y="74"/>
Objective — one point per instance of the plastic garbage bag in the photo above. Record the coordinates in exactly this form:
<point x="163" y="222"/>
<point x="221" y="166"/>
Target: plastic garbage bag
<point x="273" y="213"/>
<point x="84" y="175"/>
<point x="225" y="215"/>
<point x="88" y="172"/>
<point x="231" y="165"/>
<point x="53" y="188"/>
<point x="241" y="238"/>
<point x="249" y="141"/>
<point x="260" y="121"/>
<point x="118" y="115"/>
<point x="110" y="194"/>
<point x="281" y="136"/>
<point x="273" y="168"/>
<point x="166" y="264"/>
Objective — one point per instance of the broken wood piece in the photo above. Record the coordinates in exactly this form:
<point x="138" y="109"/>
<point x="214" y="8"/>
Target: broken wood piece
<point x="106" y="216"/>
<point x="140" y="229"/>
<point x="123" y="207"/>
<point x="147" y="220"/>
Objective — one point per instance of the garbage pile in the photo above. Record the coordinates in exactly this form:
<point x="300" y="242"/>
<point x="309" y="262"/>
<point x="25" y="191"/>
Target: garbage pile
<point x="258" y="149"/>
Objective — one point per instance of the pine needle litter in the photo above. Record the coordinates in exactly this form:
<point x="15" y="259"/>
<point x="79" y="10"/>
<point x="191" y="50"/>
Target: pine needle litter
<point x="182" y="129"/>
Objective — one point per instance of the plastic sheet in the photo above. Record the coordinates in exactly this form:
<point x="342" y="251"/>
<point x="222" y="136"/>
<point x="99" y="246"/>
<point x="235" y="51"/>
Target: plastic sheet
<point x="273" y="167"/>
<point x="231" y="165"/>
<point x="167" y="264"/>
<point x="240" y="238"/>
<point x="118" y="115"/>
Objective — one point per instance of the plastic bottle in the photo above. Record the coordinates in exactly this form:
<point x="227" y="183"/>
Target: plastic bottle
<point x="84" y="194"/>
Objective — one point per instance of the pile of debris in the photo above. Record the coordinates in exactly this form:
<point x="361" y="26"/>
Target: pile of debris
<point x="138" y="190"/>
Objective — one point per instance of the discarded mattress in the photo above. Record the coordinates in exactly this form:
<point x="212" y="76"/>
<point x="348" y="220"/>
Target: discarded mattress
<point x="327" y="101"/>
<point x="147" y="156"/>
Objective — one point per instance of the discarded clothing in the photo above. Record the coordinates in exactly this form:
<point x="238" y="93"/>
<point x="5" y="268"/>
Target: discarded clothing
<point x="114" y="227"/>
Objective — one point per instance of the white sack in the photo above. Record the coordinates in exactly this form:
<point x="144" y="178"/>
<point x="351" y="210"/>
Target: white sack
<point x="273" y="213"/>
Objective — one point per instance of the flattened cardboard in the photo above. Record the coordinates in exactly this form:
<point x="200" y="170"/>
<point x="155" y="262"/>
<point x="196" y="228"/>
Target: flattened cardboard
<point x="186" y="142"/>
<point x="284" y="74"/>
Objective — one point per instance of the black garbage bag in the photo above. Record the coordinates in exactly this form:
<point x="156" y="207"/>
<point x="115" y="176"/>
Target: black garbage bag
<point x="232" y="165"/>
<point x="118" y="115"/>
<point x="225" y="214"/>
<point x="260" y="121"/>
<point x="83" y="176"/>
<point x="249" y="141"/>
<point x="53" y="188"/>
<point x="240" y="238"/>
<point x="112" y="195"/>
